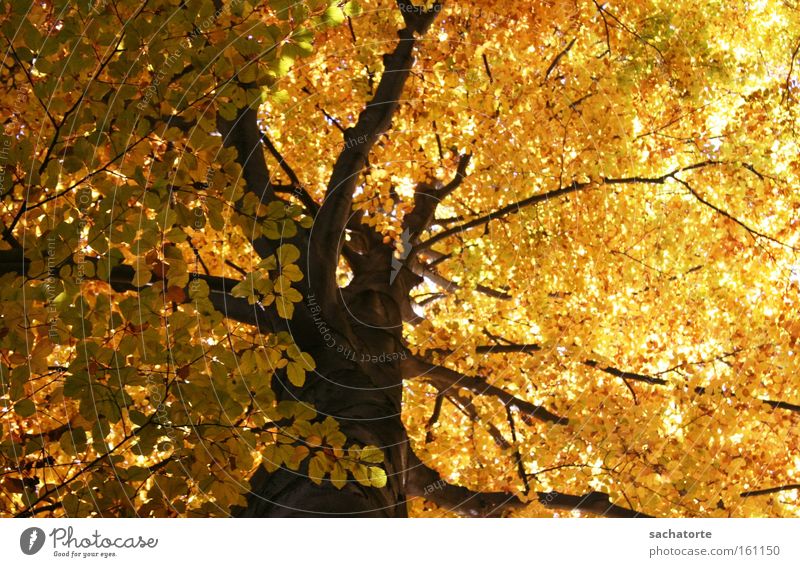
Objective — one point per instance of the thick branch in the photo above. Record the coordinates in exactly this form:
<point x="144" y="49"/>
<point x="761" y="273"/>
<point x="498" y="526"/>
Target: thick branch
<point x="425" y="482"/>
<point x="434" y="419"/>
<point x="501" y="212"/>
<point x="490" y="349"/>
<point x="461" y="173"/>
<point x="616" y="372"/>
<point x="654" y="380"/>
<point x="120" y="278"/>
<point x="623" y="374"/>
<point x="284" y="165"/>
<point x="244" y="134"/>
<point x="372" y="123"/>
<point x="234" y="308"/>
<point x="777" y="404"/>
<point x="427" y="198"/>
<point x="444" y="379"/>
<point x="465" y="406"/>
<point x="554" y="194"/>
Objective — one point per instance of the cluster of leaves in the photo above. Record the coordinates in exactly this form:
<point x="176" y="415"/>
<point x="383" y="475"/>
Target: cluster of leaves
<point x="323" y="443"/>
<point x="273" y="283"/>
<point x="663" y="308"/>
<point x="129" y="392"/>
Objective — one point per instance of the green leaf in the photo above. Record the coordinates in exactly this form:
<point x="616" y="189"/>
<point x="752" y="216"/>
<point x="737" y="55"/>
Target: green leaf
<point x="141" y="277"/>
<point x="377" y="477"/>
<point x="361" y="474"/>
<point x="281" y="8"/>
<point x="352" y="9"/>
<point x="306" y="361"/>
<point x="280" y="97"/>
<point x="135" y="474"/>
<point x="72" y="164"/>
<point x="198" y="289"/>
<point x="292" y="273"/>
<point x="336" y="439"/>
<point x="249" y="73"/>
<point x="303" y="428"/>
<point x="227" y="110"/>
<point x="297" y="410"/>
<point x="245" y="288"/>
<point x="334" y="16"/>
<point x="293" y="455"/>
<point x="76" y="384"/>
<point x="292" y="295"/>
<point x="137" y="417"/>
<point x="372" y="454"/>
<point x="73" y="441"/>
<point x="281" y="67"/>
<point x="25" y="408"/>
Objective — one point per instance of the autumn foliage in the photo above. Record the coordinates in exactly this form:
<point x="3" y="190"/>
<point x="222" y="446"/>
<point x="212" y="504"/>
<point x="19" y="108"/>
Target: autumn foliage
<point x="481" y="258"/>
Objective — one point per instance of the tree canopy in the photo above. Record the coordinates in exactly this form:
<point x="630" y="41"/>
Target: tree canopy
<point x="525" y="258"/>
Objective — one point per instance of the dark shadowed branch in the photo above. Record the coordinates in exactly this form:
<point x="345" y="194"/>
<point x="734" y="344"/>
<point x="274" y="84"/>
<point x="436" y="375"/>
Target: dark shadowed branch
<point x="558" y="58"/>
<point x="244" y="134"/>
<point x="614" y="371"/>
<point x="773" y="490"/>
<point x="750" y="230"/>
<point x="373" y="121"/>
<point x="120" y="278"/>
<point x="444" y="378"/>
<point x="516" y="207"/>
<point x="425" y="482"/>
<point x="501" y="212"/>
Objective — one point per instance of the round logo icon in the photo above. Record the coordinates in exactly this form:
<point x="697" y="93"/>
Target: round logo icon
<point x="31" y="541"/>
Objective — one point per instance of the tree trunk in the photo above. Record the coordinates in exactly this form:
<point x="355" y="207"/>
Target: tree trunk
<point x="358" y="382"/>
<point x="354" y="333"/>
<point x="368" y="416"/>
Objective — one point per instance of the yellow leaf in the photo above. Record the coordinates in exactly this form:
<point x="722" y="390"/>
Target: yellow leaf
<point x="285" y="308"/>
<point x="338" y="475"/>
<point x="377" y="477"/>
<point x="296" y="374"/>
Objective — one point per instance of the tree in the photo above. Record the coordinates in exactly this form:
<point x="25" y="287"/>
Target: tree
<point x="317" y="258"/>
